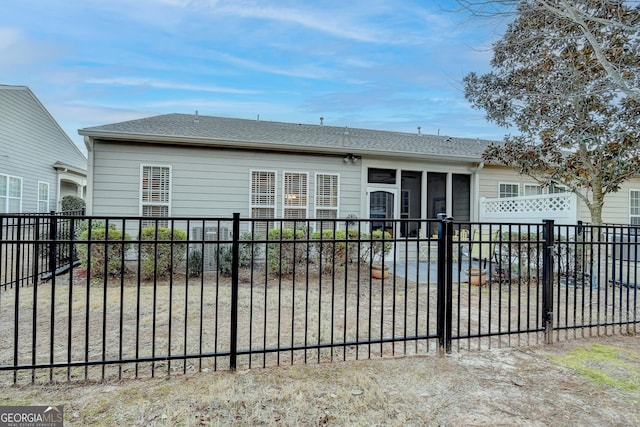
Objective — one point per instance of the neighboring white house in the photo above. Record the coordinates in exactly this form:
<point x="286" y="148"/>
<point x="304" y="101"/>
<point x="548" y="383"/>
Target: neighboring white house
<point x="39" y="164"/>
<point x="191" y="165"/>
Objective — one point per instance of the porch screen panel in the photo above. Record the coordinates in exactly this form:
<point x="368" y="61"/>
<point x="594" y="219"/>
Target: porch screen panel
<point x="410" y="202"/>
<point x="634" y="207"/>
<point x="263" y="198"/>
<point x="461" y="197"/>
<point x="43" y="197"/>
<point x="381" y="176"/>
<point x="156" y="192"/>
<point x="295" y="196"/>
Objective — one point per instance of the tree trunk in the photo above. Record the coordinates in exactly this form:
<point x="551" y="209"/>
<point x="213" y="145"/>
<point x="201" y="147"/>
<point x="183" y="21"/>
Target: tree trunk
<point x="595" y="208"/>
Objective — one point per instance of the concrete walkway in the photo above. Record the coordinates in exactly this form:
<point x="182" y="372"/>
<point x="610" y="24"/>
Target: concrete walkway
<point x="427" y="271"/>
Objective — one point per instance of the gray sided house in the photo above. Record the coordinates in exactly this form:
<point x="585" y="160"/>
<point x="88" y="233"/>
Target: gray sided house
<point x="39" y="164"/>
<point x="190" y="165"/>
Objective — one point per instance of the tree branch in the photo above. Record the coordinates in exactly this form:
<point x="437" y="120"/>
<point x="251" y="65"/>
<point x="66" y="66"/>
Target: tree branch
<point x="570" y="13"/>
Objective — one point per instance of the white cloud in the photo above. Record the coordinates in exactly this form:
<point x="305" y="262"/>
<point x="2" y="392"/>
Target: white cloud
<point x="308" y="71"/>
<point x="379" y="63"/>
<point x="17" y="49"/>
<point x="160" y="84"/>
<point x="358" y="22"/>
<point x="317" y="20"/>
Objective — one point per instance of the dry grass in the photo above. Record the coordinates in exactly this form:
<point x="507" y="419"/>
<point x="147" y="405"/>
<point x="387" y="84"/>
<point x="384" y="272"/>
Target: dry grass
<point x="509" y="386"/>
<point x="499" y="385"/>
<point x="304" y="319"/>
<point x="107" y="321"/>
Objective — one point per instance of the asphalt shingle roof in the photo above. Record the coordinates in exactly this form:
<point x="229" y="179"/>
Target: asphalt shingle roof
<point x="279" y="135"/>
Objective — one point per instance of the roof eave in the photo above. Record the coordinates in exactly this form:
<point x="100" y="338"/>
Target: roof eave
<point x="64" y="167"/>
<point x="245" y="144"/>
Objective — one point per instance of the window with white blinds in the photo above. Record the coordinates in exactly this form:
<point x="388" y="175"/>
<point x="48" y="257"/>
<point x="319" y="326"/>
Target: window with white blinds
<point x="10" y="194"/>
<point x="327" y="196"/>
<point x="263" y="194"/>
<point x="43" y="196"/>
<point x="263" y="199"/>
<point x="155" y="191"/>
<point x="295" y="195"/>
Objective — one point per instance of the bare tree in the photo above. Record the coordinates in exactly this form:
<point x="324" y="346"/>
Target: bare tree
<point x="578" y="124"/>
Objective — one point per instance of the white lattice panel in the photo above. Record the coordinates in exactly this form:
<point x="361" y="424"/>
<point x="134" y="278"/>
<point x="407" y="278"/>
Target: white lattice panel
<point x="560" y="207"/>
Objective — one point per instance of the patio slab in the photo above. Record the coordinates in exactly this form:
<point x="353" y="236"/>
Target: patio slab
<point x="427" y="271"/>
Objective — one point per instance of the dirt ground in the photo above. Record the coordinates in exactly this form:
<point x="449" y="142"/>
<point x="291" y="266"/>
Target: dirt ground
<point x="582" y="382"/>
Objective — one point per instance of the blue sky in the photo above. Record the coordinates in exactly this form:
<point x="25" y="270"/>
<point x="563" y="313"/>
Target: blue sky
<point x="389" y="65"/>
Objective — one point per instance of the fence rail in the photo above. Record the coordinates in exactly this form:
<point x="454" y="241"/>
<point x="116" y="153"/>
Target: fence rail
<point x="95" y="298"/>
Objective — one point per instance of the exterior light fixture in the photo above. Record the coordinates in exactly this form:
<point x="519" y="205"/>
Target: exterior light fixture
<point x="350" y="158"/>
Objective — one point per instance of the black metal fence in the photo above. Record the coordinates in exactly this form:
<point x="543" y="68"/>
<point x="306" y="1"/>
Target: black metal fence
<point x="96" y="298"/>
<point x="25" y="262"/>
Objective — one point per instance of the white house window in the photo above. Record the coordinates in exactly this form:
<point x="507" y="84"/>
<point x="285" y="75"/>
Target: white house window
<point x="634" y="207"/>
<point x="532" y="189"/>
<point x="155" y="192"/>
<point x="295" y="196"/>
<point x="10" y="194"/>
<point x="327" y="196"/>
<point x="508" y="190"/>
<point x="263" y="197"/>
<point x="43" y="196"/>
<point x="557" y="188"/>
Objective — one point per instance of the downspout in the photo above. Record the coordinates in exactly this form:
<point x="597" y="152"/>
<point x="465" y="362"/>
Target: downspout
<point x="58" y="192"/>
<point x="476" y="192"/>
<point x="88" y="142"/>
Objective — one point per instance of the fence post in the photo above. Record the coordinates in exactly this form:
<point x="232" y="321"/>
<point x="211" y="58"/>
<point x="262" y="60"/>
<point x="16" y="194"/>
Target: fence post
<point x="547" y="280"/>
<point x="235" y="249"/>
<point x="445" y="271"/>
<point x="53" y="246"/>
<point x="36" y="253"/>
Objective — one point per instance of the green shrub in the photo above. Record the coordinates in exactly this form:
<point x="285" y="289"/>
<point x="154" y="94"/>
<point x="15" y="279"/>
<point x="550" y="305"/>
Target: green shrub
<point x="194" y="265"/>
<point x="101" y="251"/>
<point x="333" y="249"/>
<point x="246" y="253"/>
<point x="72" y="203"/>
<point x="285" y="256"/>
<point x="161" y="259"/>
<point x="370" y="248"/>
<point x="336" y="249"/>
<point x="380" y="249"/>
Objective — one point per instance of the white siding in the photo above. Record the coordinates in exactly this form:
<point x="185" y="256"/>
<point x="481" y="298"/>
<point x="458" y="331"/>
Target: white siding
<point x="616" y="205"/>
<point x="206" y="181"/>
<point x="214" y="182"/>
<point x="31" y="143"/>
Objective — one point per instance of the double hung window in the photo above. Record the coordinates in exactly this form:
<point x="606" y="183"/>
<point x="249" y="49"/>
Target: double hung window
<point x="155" y="192"/>
<point x="10" y="194"/>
